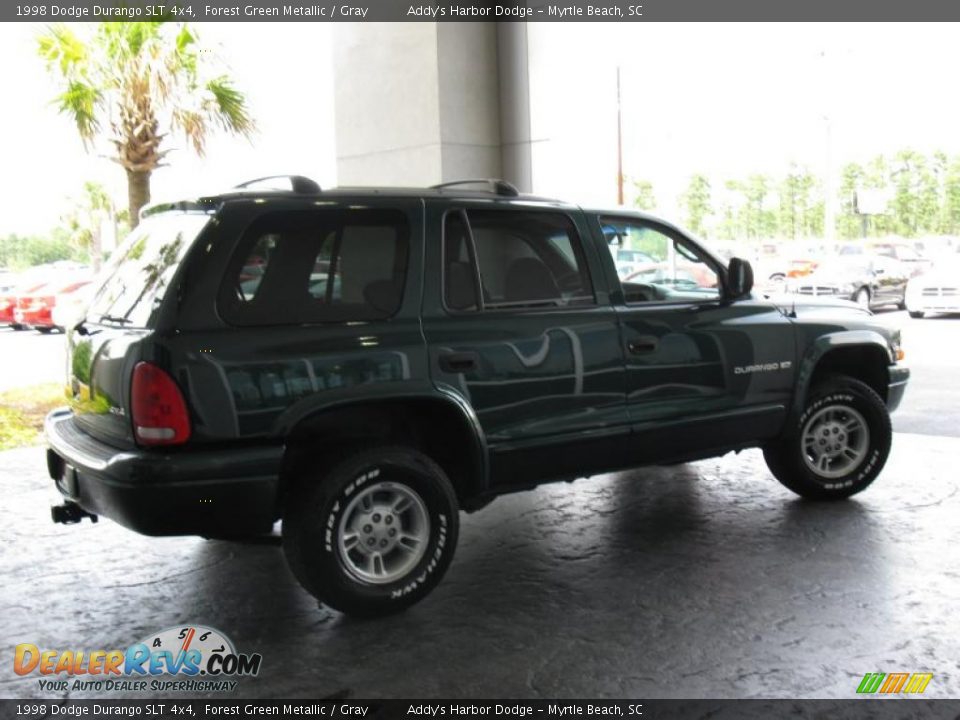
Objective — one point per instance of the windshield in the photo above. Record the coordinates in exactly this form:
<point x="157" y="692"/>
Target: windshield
<point x="132" y="285"/>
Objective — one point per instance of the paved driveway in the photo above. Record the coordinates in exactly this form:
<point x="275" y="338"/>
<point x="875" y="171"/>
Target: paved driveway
<point x="700" y="580"/>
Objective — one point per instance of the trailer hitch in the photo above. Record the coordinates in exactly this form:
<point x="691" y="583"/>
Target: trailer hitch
<point x="70" y="513"/>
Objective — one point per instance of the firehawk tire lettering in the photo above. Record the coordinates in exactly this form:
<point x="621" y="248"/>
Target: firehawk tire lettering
<point x="313" y="520"/>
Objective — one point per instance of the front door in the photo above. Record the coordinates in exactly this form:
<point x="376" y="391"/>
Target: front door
<point x="701" y="372"/>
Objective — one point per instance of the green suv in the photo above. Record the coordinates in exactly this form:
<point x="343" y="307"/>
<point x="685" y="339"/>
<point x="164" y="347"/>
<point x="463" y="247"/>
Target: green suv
<point x="363" y="364"/>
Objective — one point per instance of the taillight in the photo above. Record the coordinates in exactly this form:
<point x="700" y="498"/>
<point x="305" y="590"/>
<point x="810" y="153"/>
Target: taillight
<point x="159" y="411"/>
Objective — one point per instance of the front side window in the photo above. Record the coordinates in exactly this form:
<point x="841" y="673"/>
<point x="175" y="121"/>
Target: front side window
<point x="519" y="259"/>
<point x="654" y="265"/>
<point x="323" y="266"/>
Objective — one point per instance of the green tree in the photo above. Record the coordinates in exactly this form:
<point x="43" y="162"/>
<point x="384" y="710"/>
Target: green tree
<point x="950" y="223"/>
<point x="137" y="83"/>
<point x="909" y="183"/>
<point x="18" y="252"/>
<point x="754" y="218"/>
<point x="644" y="197"/>
<point x="849" y="222"/>
<point x="695" y="202"/>
<point x="797" y="203"/>
<point x="86" y="218"/>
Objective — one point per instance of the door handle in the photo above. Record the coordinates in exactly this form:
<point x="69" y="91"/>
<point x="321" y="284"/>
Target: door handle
<point x="642" y="345"/>
<point x="458" y="362"/>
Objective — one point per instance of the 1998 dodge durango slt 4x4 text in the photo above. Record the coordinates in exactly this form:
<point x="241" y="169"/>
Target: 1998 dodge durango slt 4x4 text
<point x="363" y="363"/>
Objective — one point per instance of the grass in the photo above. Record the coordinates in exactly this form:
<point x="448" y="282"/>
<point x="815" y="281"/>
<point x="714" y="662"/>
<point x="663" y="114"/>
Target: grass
<point x="22" y="411"/>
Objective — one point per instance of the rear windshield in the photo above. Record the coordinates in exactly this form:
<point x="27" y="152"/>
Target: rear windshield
<point x="132" y="285"/>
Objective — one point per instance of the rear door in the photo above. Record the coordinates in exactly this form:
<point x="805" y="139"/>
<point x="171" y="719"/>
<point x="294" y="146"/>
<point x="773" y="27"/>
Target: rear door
<point x="102" y="349"/>
<point x="518" y="326"/>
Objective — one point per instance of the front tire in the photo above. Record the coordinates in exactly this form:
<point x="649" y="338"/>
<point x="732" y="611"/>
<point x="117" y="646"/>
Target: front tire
<point x="862" y="297"/>
<point x="839" y="444"/>
<point x="375" y="533"/>
<point x="916" y="314"/>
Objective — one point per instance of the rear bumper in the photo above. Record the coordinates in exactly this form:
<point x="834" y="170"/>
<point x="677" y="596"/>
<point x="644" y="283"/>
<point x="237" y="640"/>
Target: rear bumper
<point x="899" y="375"/>
<point x="221" y="492"/>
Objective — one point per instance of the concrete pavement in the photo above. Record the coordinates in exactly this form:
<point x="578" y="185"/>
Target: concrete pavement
<point x="700" y="580"/>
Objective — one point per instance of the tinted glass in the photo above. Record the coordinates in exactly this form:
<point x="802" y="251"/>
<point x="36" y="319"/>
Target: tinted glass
<point x="529" y="259"/>
<point x="654" y="265"/>
<point x="459" y="278"/>
<point x="324" y="266"/>
<point x="137" y="276"/>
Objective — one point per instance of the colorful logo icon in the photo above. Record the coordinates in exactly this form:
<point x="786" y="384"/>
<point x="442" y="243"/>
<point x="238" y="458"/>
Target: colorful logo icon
<point x="893" y="683"/>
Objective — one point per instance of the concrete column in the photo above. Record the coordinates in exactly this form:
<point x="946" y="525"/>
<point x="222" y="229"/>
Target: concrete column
<point x="423" y="103"/>
<point x="514" y="103"/>
<point x="416" y="103"/>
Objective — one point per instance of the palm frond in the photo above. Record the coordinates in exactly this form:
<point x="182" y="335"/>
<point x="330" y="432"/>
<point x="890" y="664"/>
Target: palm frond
<point x="80" y="101"/>
<point x="230" y="107"/>
<point x="63" y="50"/>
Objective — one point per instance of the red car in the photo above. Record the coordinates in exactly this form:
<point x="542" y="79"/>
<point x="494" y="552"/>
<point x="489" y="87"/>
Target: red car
<point x="8" y="303"/>
<point x="35" y="309"/>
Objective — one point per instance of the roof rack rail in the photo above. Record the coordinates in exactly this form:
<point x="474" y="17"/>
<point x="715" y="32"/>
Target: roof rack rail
<point x="178" y="206"/>
<point x="500" y="187"/>
<point x="298" y="183"/>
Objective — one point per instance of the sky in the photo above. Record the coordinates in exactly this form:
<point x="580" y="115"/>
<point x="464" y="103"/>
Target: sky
<point x="725" y="99"/>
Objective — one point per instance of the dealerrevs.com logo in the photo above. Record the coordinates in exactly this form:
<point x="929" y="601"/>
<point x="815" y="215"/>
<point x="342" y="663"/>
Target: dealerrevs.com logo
<point x="192" y="658"/>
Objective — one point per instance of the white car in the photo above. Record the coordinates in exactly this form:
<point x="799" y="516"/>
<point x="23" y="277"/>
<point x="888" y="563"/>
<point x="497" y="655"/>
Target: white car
<point x="936" y="290"/>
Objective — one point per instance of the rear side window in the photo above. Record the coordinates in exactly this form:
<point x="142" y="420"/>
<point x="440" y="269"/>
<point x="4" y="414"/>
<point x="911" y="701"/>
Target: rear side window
<point x="518" y="259"/>
<point x="136" y="278"/>
<point x="318" y="266"/>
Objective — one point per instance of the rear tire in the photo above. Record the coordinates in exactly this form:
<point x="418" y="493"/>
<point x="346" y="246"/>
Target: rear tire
<point x="837" y="446"/>
<point x="862" y="297"/>
<point x="916" y="314"/>
<point x="374" y="533"/>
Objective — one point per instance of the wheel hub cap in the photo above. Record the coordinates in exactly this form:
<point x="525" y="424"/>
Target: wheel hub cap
<point x="383" y="533"/>
<point x="835" y="441"/>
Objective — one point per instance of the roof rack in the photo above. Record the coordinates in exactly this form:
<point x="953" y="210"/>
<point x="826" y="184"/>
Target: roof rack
<point x="500" y="187"/>
<point x="298" y="183"/>
<point x="185" y="206"/>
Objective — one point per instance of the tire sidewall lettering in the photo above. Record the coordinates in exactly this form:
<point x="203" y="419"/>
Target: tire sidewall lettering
<point x="431" y="561"/>
<point x="866" y="468"/>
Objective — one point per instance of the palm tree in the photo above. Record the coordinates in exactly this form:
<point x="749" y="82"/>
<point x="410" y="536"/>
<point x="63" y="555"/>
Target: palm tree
<point x="85" y="218"/>
<point x="138" y="83"/>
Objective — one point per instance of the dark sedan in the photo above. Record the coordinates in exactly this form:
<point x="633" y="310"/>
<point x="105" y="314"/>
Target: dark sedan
<point x="869" y="280"/>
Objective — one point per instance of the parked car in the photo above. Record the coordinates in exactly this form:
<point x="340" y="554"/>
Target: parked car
<point x="936" y="290"/>
<point x="870" y="281"/>
<point x="801" y="267"/>
<point x="9" y="301"/>
<point x="472" y="342"/>
<point x="630" y="261"/>
<point x="900" y="251"/>
<point x="53" y="306"/>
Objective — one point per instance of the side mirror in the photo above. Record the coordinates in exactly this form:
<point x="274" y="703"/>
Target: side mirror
<point x="739" y="278"/>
